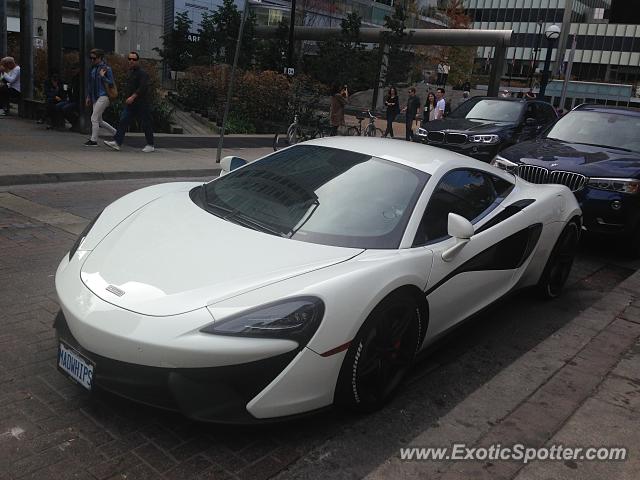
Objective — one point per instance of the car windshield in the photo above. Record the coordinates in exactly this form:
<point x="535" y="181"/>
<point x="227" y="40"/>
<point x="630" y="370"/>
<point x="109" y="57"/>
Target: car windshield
<point x="611" y="130"/>
<point x="320" y="195"/>
<point x="489" y="109"/>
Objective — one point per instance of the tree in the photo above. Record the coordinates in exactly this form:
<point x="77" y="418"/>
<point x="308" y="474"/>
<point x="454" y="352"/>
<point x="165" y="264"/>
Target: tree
<point x="177" y="48"/>
<point x="460" y="58"/>
<point x="400" y="58"/>
<point x="227" y="21"/>
<point x="271" y="54"/>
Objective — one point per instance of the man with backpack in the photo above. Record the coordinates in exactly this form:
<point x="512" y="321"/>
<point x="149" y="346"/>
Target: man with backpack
<point x="100" y="79"/>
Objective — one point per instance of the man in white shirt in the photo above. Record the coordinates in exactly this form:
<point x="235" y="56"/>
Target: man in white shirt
<point x="9" y="84"/>
<point x="441" y="103"/>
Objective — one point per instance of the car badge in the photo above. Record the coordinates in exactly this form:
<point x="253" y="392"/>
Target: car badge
<point x="115" y="290"/>
<point x="554" y="164"/>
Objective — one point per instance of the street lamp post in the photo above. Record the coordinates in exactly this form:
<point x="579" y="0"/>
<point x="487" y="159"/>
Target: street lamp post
<point x="552" y="33"/>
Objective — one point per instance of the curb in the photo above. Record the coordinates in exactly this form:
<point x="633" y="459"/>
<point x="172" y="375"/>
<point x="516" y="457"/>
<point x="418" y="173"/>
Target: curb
<point x="561" y="373"/>
<point x="36" y="178"/>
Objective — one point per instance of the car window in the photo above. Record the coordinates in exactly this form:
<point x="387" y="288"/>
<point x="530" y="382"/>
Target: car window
<point x="469" y="193"/>
<point x="531" y="111"/>
<point x="547" y="114"/>
<point x="320" y="195"/>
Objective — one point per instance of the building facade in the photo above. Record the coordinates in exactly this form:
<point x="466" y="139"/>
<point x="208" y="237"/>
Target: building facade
<point x="606" y="50"/>
<point x="120" y="25"/>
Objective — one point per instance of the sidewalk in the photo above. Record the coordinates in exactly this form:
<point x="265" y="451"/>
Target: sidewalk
<point x="32" y="154"/>
<point x="579" y="388"/>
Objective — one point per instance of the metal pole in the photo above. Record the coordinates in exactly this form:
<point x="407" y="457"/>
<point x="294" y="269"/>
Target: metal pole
<point x="54" y="36"/>
<point x="499" y="57"/>
<point x="26" y="49"/>
<point x="231" y="80"/>
<point x="3" y="28"/>
<point x="292" y="23"/>
<point x="87" y="8"/>
<point x="567" y="73"/>
<point x="381" y="74"/>
<point x="545" y="72"/>
<point x="535" y="58"/>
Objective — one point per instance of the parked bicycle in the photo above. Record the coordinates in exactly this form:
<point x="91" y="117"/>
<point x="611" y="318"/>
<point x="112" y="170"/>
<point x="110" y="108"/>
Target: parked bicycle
<point x="296" y="133"/>
<point x="369" y="131"/>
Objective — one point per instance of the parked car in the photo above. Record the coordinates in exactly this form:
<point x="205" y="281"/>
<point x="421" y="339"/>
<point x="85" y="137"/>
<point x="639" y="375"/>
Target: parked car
<point x="312" y="276"/>
<point x="595" y="151"/>
<point x="481" y="127"/>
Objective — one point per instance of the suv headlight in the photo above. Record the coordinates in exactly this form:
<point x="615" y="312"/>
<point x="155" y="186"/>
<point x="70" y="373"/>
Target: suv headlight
<point x="292" y="319"/>
<point x="622" y="185"/>
<point x="489" y="139"/>
<point x="422" y="132"/>
<point x="505" y="164"/>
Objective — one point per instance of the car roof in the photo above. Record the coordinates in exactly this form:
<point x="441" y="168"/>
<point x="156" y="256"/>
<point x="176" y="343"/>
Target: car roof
<point x="594" y="107"/>
<point x="421" y="157"/>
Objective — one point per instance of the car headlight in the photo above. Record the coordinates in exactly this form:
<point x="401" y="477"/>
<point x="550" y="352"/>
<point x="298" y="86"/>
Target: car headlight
<point x="82" y="236"/>
<point x="505" y="164"/>
<point x="489" y="139"/>
<point x="292" y="319"/>
<point x="422" y="132"/>
<point x="622" y="185"/>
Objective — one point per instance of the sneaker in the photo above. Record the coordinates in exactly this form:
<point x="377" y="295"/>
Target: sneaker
<point x="148" y="149"/>
<point x="112" y="144"/>
<point x="90" y="143"/>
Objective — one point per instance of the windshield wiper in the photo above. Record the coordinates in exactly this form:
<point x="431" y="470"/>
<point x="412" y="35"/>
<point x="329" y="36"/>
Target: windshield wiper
<point x="603" y="146"/>
<point x="245" y="221"/>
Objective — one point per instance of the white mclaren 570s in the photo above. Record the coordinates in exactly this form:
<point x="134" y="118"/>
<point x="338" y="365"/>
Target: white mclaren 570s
<point x="310" y="277"/>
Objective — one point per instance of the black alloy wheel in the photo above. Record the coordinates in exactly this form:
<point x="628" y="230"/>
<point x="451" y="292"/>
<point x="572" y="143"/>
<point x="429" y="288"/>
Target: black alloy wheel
<point x="381" y="354"/>
<point x="560" y="261"/>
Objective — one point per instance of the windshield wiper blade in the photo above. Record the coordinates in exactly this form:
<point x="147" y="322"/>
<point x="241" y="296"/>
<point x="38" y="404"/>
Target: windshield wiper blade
<point x="604" y="146"/>
<point x="246" y="221"/>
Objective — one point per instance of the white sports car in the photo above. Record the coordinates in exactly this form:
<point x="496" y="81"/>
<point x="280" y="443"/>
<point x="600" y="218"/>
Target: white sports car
<point x="310" y="277"/>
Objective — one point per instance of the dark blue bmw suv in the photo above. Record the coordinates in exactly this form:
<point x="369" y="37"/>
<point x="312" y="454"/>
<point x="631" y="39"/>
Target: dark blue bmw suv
<point x="595" y="151"/>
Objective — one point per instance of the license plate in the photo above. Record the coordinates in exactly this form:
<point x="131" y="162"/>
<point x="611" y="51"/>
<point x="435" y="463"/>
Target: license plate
<point x="75" y="365"/>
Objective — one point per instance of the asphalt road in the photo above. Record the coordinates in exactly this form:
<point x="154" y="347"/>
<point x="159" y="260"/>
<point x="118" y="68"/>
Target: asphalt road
<point x="50" y="428"/>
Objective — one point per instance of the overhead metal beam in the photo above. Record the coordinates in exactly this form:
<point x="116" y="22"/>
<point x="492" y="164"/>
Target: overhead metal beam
<point x="422" y="36"/>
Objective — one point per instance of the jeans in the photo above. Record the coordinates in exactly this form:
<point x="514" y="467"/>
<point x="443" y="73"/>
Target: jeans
<point x="6" y="95"/>
<point x="409" y="125"/>
<point x="141" y="111"/>
<point x="390" y="118"/>
<point x="99" y="107"/>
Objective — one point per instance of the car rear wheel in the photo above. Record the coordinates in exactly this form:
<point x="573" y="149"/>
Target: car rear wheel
<point x="560" y="261"/>
<point x="381" y="354"/>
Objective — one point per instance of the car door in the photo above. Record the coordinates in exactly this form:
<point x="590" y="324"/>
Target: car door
<point x="484" y="269"/>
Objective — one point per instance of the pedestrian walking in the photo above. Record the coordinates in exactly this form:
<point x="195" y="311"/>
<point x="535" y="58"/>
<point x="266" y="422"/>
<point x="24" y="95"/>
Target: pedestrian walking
<point x="99" y="77"/>
<point x="392" y="103"/>
<point x="137" y="105"/>
<point x="440" y="78"/>
<point x="339" y="98"/>
<point x="445" y="73"/>
<point x="429" y="111"/>
<point x="441" y="104"/>
<point x="411" y="110"/>
<point x="9" y="84"/>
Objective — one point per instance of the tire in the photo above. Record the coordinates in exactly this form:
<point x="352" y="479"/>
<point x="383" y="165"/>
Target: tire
<point x="381" y="354"/>
<point x="560" y="261"/>
<point x="294" y="135"/>
<point x="370" y="131"/>
<point x="353" y="132"/>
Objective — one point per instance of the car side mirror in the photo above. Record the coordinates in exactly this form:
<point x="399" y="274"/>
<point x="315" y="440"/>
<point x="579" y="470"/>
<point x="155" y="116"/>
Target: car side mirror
<point x="227" y="164"/>
<point x="461" y="229"/>
<point x="530" y="122"/>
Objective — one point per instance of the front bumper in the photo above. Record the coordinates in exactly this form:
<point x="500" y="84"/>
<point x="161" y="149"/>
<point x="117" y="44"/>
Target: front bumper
<point x="482" y="152"/>
<point x="609" y="213"/>
<point x="215" y="394"/>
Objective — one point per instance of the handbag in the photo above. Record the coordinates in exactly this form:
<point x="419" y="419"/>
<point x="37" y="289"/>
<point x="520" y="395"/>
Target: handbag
<point x="112" y="90"/>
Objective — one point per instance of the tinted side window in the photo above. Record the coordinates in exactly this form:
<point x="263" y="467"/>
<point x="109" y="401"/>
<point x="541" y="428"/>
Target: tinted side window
<point x="468" y="193"/>
<point x="546" y="114"/>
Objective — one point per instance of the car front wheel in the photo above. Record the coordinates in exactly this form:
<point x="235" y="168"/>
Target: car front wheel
<point x="560" y="261"/>
<point x="381" y="354"/>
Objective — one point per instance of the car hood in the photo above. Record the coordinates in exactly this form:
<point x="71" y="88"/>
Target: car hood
<point x="467" y="125"/>
<point x="171" y="257"/>
<point x="592" y="161"/>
